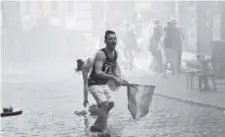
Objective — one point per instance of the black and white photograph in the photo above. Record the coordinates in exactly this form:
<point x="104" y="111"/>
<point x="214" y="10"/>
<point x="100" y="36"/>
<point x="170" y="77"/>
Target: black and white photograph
<point x="112" y="68"/>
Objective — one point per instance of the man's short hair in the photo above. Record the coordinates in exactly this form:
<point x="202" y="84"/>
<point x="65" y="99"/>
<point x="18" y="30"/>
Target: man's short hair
<point x="108" y="32"/>
<point x="80" y="63"/>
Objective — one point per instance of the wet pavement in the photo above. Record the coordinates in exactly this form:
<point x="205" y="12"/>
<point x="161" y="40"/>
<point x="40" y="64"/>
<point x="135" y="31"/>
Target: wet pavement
<point x="48" y="106"/>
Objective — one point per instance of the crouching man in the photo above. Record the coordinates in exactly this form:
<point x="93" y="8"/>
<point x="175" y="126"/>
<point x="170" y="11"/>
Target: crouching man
<point x="103" y="69"/>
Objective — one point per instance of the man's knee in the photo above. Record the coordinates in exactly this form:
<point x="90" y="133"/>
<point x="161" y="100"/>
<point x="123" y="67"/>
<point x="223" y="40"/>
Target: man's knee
<point x="103" y="107"/>
<point x="106" y="104"/>
<point x="111" y="104"/>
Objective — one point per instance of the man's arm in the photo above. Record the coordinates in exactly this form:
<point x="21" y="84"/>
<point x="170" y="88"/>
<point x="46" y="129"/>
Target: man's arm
<point x="85" y="80"/>
<point x="85" y="75"/>
<point x="98" y="64"/>
<point x="85" y="72"/>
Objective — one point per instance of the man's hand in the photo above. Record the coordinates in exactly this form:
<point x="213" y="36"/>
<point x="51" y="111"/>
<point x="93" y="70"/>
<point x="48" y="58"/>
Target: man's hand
<point x="125" y="83"/>
<point x="120" y="81"/>
<point x="85" y="103"/>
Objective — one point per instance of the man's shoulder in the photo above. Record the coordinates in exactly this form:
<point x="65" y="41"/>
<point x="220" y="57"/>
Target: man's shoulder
<point x="100" y="54"/>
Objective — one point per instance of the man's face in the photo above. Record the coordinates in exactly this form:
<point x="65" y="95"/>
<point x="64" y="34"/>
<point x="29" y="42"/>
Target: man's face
<point x="111" y="41"/>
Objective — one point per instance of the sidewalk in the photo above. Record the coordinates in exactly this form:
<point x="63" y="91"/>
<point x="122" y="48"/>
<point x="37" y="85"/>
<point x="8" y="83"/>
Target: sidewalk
<point x="175" y="88"/>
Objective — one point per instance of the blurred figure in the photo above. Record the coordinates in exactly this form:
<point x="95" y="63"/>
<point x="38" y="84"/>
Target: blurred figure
<point x="172" y="47"/>
<point x="130" y="44"/>
<point x="168" y="56"/>
<point x="154" y="47"/>
<point x="177" y="46"/>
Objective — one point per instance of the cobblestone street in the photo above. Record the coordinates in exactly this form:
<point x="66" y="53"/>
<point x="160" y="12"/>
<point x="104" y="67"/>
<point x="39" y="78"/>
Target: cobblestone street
<point x="48" y="107"/>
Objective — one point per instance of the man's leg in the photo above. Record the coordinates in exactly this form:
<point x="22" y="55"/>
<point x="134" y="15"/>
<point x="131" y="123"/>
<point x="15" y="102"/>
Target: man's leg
<point x="101" y="121"/>
<point x="100" y="125"/>
<point x="165" y="62"/>
<point x="160" y="64"/>
<point x="109" y="97"/>
<point x="154" y="60"/>
<point x="158" y="58"/>
<point x="110" y="106"/>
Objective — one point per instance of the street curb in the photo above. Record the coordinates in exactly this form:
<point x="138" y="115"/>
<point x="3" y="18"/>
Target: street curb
<point x="192" y="101"/>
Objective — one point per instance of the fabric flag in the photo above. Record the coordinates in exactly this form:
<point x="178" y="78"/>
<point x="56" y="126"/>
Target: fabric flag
<point x="139" y="99"/>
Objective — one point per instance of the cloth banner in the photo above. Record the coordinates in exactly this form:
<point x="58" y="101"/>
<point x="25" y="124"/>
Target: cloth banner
<point x="139" y="99"/>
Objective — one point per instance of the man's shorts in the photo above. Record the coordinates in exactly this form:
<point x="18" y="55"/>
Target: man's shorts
<point x="101" y="93"/>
